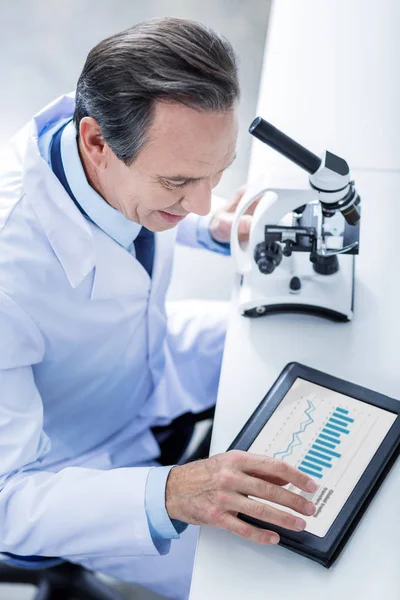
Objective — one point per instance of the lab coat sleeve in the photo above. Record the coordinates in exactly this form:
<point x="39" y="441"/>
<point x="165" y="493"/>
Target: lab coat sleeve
<point x="76" y="511"/>
<point x="162" y="528"/>
<point x="194" y="231"/>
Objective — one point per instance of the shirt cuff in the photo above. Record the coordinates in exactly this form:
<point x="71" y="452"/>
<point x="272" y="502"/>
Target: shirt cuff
<point x="204" y="238"/>
<point x="162" y="528"/>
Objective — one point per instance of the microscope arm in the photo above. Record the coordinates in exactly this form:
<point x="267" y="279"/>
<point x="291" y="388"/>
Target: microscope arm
<point x="277" y="202"/>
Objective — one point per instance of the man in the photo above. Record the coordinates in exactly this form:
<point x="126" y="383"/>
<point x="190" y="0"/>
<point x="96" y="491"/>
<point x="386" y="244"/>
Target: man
<point x="92" y="371"/>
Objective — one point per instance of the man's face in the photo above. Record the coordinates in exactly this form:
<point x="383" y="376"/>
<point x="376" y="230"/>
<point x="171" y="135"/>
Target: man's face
<point x="174" y="174"/>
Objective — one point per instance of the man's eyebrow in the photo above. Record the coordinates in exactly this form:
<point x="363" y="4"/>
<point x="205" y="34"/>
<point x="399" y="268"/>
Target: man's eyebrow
<point x="178" y="178"/>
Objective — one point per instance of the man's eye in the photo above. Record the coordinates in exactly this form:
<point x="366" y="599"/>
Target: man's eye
<point x="173" y="186"/>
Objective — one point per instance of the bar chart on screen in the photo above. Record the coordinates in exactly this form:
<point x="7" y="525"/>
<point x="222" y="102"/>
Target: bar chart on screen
<point x="330" y="437"/>
<point x="324" y="451"/>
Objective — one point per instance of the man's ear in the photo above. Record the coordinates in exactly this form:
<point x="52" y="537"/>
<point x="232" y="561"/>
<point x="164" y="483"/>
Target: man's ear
<point x="93" y="142"/>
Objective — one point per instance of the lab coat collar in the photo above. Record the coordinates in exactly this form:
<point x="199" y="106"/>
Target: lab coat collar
<point x="110" y="220"/>
<point x="79" y="246"/>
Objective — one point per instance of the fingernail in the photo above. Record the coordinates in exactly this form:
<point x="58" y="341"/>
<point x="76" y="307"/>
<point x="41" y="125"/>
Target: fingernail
<point x="300" y="524"/>
<point x="274" y="539"/>
<point x="310" y="508"/>
<point x="311" y="485"/>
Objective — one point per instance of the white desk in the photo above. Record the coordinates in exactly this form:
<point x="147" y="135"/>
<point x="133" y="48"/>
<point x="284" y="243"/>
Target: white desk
<point x="365" y="351"/>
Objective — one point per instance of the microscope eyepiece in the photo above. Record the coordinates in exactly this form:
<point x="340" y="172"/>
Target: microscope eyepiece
<point x="285" y="145"/>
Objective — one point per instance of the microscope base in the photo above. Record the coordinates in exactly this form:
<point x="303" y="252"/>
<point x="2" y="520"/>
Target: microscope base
<point x="329" y="296"/>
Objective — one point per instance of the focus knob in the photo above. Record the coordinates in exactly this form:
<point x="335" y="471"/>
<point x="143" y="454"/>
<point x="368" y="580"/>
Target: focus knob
<point x="326" y="265"/>
<point x="267" y="257"/>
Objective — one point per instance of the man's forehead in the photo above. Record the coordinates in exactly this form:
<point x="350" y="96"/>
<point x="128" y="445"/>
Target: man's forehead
<point x="194" y="138"/>
<point x="177" y="123"/>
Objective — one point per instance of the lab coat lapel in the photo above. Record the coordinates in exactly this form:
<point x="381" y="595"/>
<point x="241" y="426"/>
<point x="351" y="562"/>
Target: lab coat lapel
<point x="117" y="272"/>
<point x="66" y="229"/>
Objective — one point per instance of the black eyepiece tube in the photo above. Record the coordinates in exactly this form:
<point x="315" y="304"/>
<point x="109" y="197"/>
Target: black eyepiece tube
<point x="279" y="141"/>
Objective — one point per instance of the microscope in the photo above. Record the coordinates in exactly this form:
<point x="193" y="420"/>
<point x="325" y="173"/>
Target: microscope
<point x="300" y="256"/>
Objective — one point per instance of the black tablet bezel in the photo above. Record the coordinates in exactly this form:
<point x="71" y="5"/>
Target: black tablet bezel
<point x="324" y="547"/>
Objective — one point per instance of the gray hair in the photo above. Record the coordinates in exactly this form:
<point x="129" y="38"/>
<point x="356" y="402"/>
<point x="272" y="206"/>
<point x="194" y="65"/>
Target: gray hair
<point x="163" y="59"/>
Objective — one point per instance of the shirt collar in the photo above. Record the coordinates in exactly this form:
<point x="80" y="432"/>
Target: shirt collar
<point x="110" y="220"/>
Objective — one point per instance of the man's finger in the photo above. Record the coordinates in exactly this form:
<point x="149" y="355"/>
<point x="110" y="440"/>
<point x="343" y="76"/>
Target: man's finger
<point x="244" y="228"/>
<point x="232" y="206"/>
<point x="277" y="480"/>
<point x="249" y="532"/>
<point x="270" y="514"/>
<point x="263" y="466"/>
<point x="253" y="205"/>
<point x="253" y="486"/>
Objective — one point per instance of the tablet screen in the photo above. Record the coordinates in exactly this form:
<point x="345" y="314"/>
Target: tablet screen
<point x="331" y="437"/>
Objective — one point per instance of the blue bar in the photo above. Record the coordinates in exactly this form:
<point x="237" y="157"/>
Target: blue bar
<point x="314" y="474"/>
<point x="330" y="452"/>
<point x="339" y="416"/>
<point x="330" y="439"/>
<point x="318" y="462"/>
<point x="325" y="443"/>
<point x="310" y="465"/>
<point x="336" y="428"/>
<point x="331" y="432"/>
<point x="342" y="410"/>
<point x="319" y="455"/>
<point x="337" y="422"/>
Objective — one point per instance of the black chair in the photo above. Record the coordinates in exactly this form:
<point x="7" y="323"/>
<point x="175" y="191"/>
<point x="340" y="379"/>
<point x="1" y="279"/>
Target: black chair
<point x="56" y="579"/>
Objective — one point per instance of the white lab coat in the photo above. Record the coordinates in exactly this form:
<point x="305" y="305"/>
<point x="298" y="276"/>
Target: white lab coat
<point x="88" y="363"/>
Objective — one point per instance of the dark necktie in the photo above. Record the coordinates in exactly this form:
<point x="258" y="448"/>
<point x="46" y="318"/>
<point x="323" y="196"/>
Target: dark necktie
<point x="144" y="248"/>
<point x="144" y="243"/>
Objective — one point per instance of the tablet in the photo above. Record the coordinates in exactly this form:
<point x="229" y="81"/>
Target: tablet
<point x="344" y="436"/>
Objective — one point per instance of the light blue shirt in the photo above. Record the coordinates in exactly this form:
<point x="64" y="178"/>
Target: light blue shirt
<point x="124" y="232"/>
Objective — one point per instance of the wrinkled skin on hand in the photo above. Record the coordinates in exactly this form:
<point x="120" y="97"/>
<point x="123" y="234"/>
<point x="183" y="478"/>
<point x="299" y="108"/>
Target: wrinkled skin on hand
<point x="213" y="491"/>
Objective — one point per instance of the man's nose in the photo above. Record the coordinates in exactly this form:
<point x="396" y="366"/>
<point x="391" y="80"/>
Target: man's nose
<point x="198" y="198"/>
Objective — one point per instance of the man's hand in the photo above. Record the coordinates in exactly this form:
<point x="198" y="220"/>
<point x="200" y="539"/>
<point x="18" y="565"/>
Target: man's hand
<point x="213" y="491"/>
<point x="221" y="223"/>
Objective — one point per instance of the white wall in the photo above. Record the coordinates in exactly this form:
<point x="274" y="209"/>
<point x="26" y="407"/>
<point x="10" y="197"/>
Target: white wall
<point x="43" y="47"/>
